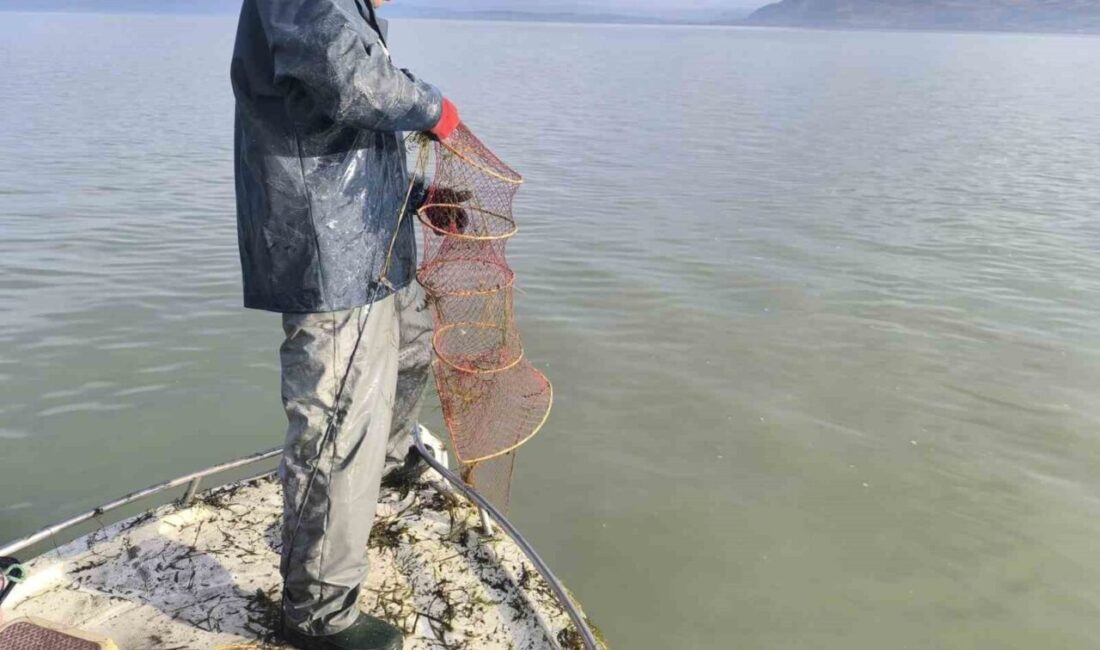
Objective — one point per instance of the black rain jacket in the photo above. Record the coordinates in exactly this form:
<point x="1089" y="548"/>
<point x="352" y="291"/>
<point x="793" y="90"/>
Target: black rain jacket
<point x="320" y="162"/>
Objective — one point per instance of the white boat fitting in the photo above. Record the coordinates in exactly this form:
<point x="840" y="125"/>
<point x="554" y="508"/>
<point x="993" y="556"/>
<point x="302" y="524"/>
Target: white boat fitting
<point x="205" y="575"/>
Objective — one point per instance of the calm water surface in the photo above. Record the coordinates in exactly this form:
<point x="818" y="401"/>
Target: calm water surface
<point x="822" y="310"/>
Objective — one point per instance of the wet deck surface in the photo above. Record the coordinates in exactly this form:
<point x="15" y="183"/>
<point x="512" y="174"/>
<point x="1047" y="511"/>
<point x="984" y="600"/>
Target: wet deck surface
<point x="207" y="576"/>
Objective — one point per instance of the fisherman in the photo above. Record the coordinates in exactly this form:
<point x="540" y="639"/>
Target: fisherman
<point x="321" y="180"/>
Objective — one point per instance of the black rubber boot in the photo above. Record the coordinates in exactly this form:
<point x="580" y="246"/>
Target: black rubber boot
<point x="366" y="633"/>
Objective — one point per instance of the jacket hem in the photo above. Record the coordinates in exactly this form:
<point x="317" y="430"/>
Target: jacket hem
<point x="261" y="303"/>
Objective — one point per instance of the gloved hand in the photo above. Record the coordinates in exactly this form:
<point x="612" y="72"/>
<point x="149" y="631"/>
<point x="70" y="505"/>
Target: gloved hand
<point x="448" y="121"/>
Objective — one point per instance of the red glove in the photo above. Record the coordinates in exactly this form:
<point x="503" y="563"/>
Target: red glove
<point x="448" y="121"/>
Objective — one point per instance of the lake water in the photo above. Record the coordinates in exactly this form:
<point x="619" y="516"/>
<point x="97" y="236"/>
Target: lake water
<point x="822" y="311"/>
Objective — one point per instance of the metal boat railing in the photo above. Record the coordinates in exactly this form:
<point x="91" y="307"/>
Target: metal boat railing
<point x="194" y="480"/>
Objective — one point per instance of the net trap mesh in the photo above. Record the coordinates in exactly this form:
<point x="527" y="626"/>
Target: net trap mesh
<point x="493" y="399"/>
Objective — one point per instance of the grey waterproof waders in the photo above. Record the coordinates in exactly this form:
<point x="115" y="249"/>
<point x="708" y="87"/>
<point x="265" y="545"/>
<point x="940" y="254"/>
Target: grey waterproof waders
<point x="326" y="564"/>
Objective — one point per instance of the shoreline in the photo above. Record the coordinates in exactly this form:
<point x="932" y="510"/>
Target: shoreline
<point x="564" y="19"/>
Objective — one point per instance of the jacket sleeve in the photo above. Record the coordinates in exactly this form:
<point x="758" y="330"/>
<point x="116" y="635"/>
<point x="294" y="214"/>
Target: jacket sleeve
<point x="317" y="51"/>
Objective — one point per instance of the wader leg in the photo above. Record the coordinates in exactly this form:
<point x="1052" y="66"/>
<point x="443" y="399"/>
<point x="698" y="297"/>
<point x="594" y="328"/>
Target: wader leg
<point x="327" y="564"/>
<point x="414" y="368"/>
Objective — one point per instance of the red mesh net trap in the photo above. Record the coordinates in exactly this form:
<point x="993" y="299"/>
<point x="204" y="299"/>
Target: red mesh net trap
<point x="493" y="399"/>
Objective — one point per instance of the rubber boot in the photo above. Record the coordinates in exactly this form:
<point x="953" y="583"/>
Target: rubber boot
<point x="366" y="633"/>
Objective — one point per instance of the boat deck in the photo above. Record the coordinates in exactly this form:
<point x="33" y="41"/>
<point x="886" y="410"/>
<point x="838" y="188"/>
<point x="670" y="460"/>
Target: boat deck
<point x="206" y="576"/>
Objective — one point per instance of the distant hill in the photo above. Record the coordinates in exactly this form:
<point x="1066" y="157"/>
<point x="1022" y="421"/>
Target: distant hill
<point x="1000" y="15"/>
